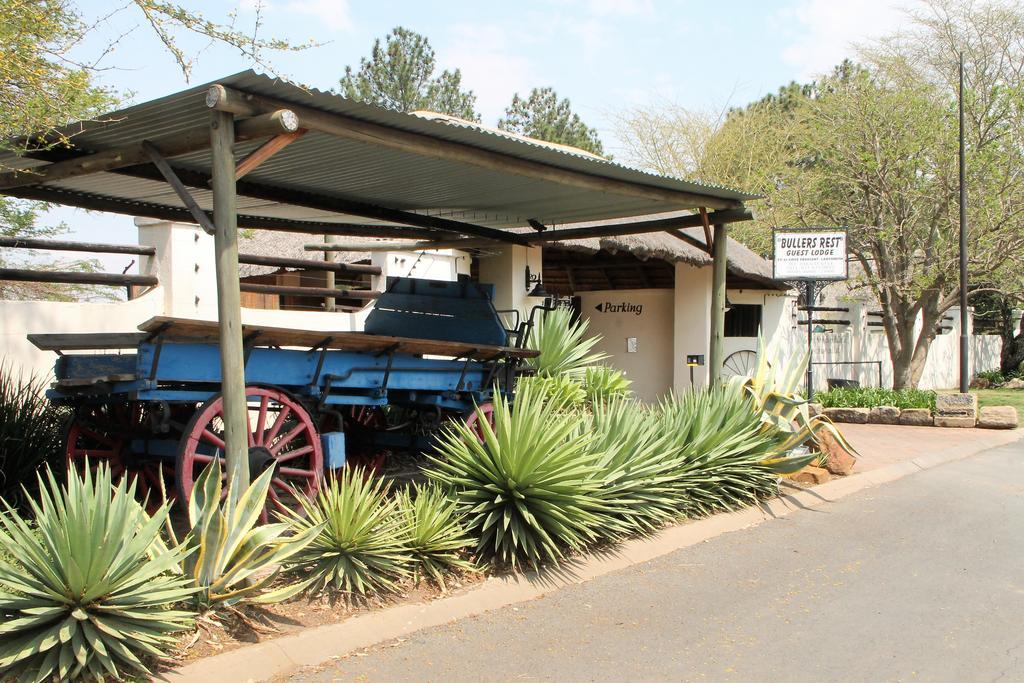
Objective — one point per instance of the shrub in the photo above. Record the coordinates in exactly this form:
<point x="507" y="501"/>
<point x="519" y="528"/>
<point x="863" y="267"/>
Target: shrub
<point x="235" y="558"/>
<point x="88" y="591"/>
<point x="31" y="433"/>
<point x="603" y="383"/>
<point x="358" y="536"/>
<point x="564" y="348"/>
<point x="726" y="451"/>
<point x="531" y="488"/>
<point x="638" y="463"/>
<point x="560" y="392"/>
<point x="433" y="529"/>
<point x="993" y="376"/>
<point x="870" y="397"/>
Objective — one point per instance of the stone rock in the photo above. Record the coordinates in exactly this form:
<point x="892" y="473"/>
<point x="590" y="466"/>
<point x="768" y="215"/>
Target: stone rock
<point x="840" y="461"/>
<point x="963" y="421"/>
<point x="916" y="417"/>
<point x="854" y="415"/>
<point x="811" y="475"/>
<point x="1015" y="383"/>
<point x="814" y="409"/>
<point x="998" y="417"/>
<point x="981" y="383"/>
<point x="957" y="405"/>
<point x="884" y="415"/>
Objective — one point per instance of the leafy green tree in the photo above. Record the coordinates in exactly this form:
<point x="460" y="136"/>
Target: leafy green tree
<point x="399" y="75"/>
<point x="544" y="116"/>
<point x="873" y="147"/>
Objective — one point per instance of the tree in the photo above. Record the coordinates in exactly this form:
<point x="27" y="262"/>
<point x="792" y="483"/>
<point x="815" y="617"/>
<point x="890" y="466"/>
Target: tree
<point x="545" y="117"/>
<point x="399" y="75"/>
<point x="873" y="147"/>
<point x="47" y="79"/>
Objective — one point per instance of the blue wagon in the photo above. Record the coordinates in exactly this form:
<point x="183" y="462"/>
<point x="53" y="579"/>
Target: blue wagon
<point x="150" y="405"/>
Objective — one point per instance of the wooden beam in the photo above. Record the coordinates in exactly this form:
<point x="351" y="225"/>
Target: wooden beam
<point x="76" y="277"/>
<point x="192" y="140"/>
<point x="179" y="188"/>
<point x="719" y="266"/>
<point x="88" y="247"/>
<point x="228" y="99"/>
<point x="130" y="207"/>
<point x="229" y="301"/>
<point x="319" y="292"/>
<point x="707" y="229"/>
<point x="421" y="245"/>
<point x="307" y="264"/>
<point x="269" y="148"/>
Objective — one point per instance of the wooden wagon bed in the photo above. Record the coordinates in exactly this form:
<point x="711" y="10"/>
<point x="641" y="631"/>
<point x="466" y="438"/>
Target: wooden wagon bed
<point x="186" y="329"/>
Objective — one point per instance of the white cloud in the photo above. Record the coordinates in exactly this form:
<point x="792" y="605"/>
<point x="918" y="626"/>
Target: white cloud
<point x="493" y="64"/>
<point x="818" y="34"/>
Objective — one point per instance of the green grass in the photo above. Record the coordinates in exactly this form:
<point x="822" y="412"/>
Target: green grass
<point x="1002" y="397"/>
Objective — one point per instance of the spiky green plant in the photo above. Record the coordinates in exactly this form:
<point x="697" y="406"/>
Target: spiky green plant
<point x="89" y="590"/>
<point x="31" y="433"/>
<point x="639" y="465"/>
<point x="235" y="558"/>
<point x="559" y="392"/>
<point x="531" y="488"/>
<point x="603" y="383"/>
<point x="359" y="540"/>
<point x="728" y="456"/>
<point x="564" y="347"/>
<point x="773" y="389"/>
<point x="435" y="536"/>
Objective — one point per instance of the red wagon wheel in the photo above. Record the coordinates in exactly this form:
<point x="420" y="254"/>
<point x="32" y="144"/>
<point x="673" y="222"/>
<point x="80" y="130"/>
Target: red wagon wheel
<point x="473" y="419"/>
<point x="104" y="433"/>
<point x="361" y="421"/>
<point x="281" y="434"/>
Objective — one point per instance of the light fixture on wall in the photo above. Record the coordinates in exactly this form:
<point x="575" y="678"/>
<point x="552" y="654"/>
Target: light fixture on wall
<point x="535" y="282"/>
<point x="728" y="304"/>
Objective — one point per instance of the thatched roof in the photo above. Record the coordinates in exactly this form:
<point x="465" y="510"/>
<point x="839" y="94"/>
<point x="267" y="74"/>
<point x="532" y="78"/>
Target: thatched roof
<point x="285" y="245"/>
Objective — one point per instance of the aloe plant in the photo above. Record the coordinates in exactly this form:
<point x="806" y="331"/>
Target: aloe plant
<point x="564" y="347"/>
<point x="530" y="489"/>
<point x="236" y="559"/>
<point x="358" y="541"/>
<point x="435" y="536"/>
<point x="602" y="383"/>
<point x="774" y="393"/>
<point x="88" y="590"/>
<point x="639" y="464"/>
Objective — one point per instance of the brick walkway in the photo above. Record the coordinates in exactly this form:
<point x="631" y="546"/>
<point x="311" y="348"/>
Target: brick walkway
<point x="882" y="445"/>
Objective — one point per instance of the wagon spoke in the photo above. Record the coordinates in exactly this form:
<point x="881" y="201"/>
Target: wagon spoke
<point x="102" y="438"/>
<point x="278" y="424"/>
<point x="294" y="472"/>
<point x="261" y="421"/>
<point x="287" y="438"/>
<point x="212" y="438"/>
<point x="291" y="455"/>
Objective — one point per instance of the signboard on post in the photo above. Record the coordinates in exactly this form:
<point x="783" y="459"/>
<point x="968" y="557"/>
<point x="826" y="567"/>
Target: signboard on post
<point x="809" y="255"/>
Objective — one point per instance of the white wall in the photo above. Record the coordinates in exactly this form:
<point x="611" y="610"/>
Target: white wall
<point x="691" y="324"/>
<point x="645" y="315"/>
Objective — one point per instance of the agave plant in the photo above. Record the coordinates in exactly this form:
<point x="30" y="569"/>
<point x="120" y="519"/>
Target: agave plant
<point x="728" y="456"/>
<point x="31" y="433"/>
<point x="602" y="383"/>
<point x="89" y="590"/>
<point x="559" y="392"/>
<point x="531" y="488"/>
<point x="434" y="532"/>
<point x="358" y="537"/>
<point x="639" y="465"/>
<point x="564" y="347"/>
<point x="235" y="558"/>
<point x="774" y="394"/>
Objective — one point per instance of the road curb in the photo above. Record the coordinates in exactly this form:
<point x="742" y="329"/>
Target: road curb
<point x="321" y="644"/>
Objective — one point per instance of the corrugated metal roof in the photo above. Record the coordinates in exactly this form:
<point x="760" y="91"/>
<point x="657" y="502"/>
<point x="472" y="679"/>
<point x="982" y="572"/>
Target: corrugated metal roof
<point x="342" y="168"/>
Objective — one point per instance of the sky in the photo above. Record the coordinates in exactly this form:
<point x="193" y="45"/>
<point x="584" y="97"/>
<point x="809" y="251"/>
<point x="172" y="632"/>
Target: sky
<point x="606" y="56"/>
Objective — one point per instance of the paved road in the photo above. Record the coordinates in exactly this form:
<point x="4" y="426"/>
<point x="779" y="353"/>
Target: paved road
<point x="921" y="579"/>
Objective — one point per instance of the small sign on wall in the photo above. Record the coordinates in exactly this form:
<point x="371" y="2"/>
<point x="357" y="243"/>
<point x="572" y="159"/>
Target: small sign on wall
<point x="809" y="255"/>
<point x="631" y="345"/>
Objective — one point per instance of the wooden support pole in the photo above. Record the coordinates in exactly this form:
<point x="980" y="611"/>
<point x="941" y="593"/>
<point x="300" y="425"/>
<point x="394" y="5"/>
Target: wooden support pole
<point x="307" y="264"/>
<point x="71" y="277"/>
<point x="179" y="188"/>
<point x="329" y="303"/>
<point x="88" y="247"/>
<point x="229" y="300"/>
<point x="289" y="290"/>
<point x="719" y="266"/>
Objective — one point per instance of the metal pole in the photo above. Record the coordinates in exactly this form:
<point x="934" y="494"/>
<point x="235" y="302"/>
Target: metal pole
<point x="229" y="304"/>
<point x="964" y="341"/>
<point x="810" y="333"/>
<point x="718" y="270"/>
